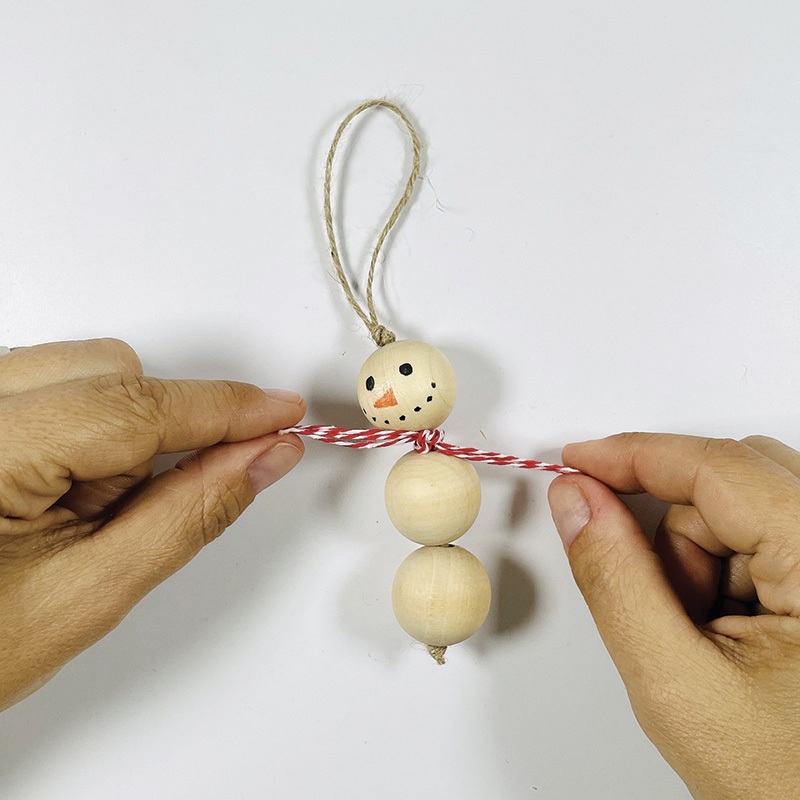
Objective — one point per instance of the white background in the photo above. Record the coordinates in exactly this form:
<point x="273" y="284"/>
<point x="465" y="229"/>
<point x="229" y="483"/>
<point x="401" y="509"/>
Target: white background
<point x="606" y="239"/>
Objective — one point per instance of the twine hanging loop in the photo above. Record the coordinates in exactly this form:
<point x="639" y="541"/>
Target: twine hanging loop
<point x="381" y="335"/>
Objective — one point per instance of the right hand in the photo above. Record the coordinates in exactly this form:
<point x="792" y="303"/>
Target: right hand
<point x="717" y="692"/>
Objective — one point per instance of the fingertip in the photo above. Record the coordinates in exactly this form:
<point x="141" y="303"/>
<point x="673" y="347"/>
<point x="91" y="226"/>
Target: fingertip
<point x="568" y="453"/>
<point x="292" y="404"/>
<point x="301" y="409"/>
<point x="294" y="440"/>
<point x="575" y="453"/>
<point x="285" y="396"/>
<point x="580" y="502"/>
<point x="597" y="494"/>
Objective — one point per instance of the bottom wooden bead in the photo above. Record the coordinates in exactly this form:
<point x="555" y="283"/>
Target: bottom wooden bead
<point x="441" y="595"/>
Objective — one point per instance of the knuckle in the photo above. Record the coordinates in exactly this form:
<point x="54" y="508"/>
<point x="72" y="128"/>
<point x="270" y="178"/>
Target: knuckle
<point x="785" y="630"/>
<point x="223" y="507"/>
<point x="631" y="438"/>
<point x="231" y="395"/>
<point x="725" y="448"/>
<point x="775" y="570"/>
<point x="127" y="406"/>
<point x="220" y="507"/>
<point x="123" y="356"/>
<point x="681" y="521"/>
<point x="216" y="506"/>
<point x="678" y="518"/>
<point x="28" y="489"/>
<point x="144" y="396"/>
<point x="756" y="439"/>
<point x="729" y="459"/>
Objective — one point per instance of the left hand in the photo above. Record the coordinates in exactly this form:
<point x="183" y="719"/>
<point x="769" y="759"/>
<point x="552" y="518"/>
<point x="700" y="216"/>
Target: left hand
<point x="85" y="529"/>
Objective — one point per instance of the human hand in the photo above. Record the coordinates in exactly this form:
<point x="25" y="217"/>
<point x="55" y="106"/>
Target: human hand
<point x="85" y="529"/>
<point x="717" y="692"/>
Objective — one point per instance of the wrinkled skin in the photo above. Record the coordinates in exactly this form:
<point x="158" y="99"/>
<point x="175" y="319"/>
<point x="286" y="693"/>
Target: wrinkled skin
<point x="86" y="530"/>
<point x="704" y="625"/>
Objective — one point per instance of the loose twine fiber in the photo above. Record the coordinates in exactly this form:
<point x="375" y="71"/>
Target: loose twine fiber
<point x="381" y="335"/>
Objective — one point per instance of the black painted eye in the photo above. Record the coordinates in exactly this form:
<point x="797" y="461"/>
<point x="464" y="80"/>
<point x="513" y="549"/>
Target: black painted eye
<point x="370" y="383"/>
<point x="406" y="369"/>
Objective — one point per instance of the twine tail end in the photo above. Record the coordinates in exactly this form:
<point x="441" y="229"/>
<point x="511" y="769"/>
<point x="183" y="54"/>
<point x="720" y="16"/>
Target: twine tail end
<point x="437" y="653"/>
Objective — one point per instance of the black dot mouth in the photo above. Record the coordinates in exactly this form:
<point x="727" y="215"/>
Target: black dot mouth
<point x="402" y="417"/>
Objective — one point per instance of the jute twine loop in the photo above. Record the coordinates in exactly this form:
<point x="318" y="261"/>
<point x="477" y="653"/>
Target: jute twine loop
<point x="380" y="334"/>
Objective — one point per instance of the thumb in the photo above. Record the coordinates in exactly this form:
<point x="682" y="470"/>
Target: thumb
<point x="182" y="509"/>
<point x="642" y="622"/>
<point x="79" y="593"/>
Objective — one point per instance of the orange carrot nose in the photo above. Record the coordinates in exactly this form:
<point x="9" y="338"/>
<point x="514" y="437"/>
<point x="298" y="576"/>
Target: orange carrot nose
<point x="386" y="399"/>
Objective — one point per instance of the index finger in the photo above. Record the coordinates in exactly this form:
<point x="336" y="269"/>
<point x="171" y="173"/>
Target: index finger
<point x="745" y="498"/>
<point x="97" y="428"/>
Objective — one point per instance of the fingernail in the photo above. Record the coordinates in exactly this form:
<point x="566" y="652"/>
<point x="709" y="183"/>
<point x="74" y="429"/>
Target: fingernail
<point x="273" y="465"/>
<point x="284" y="396"/>
<point x="570" y="510"/>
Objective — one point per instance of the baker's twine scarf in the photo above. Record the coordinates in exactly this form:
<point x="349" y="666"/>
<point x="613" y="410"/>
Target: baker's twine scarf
<point x="423" y="441"/>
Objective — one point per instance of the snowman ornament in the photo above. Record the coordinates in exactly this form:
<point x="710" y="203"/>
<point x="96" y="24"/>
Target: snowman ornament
<point x="441" y="592"/>
<point x="406" y="389"/>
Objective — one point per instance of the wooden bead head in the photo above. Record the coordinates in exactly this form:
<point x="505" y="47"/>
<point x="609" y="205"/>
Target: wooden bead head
<point x="407" y="386"/>
<point x="441" y="595"/>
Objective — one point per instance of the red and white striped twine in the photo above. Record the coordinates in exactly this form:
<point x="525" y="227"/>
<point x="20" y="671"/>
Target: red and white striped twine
<point x="423" y="441"/>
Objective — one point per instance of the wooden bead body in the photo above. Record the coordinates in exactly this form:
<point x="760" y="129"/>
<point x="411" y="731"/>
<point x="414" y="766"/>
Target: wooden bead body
<point x="406" y="386"/>
<point x="431" y="498"/>
<point x="441" y="595"/>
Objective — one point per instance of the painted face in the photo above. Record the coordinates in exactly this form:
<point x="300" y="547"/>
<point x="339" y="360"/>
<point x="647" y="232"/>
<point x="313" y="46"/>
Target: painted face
<point x="407" y="386"/>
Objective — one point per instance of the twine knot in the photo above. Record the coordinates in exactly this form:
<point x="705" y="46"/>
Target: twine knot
<point x="436" y="653"/>
<point x="427" y="440"/>
<point x="381" y="335"/>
